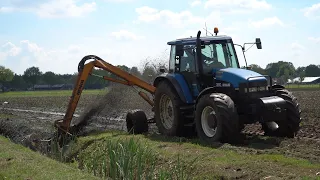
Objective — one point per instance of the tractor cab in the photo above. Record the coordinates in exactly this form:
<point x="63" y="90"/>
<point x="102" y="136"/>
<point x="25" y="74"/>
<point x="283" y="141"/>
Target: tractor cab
<point x="199" y="69"/>
<point x="216" y="52"/>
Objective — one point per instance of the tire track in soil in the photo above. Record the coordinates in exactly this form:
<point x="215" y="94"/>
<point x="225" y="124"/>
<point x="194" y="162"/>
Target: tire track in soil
<point x="118" y="123"/>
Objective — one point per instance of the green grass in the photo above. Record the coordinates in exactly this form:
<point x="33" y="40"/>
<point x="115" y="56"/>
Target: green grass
<point x="18" y="162"/>
<point x="49" y="93"/>
<point x="92" y="151"/>
<point x="303" y="86"/>
<point x="123" y="158"/>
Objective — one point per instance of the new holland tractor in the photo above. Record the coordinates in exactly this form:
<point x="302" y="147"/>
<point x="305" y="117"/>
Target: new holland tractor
<point x="204" y="88"/>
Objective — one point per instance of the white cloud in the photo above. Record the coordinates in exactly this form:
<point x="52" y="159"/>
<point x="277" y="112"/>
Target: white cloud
<point x="74" y="49"/>
<point x="314" y="39"/>
<point x="238" y="6"/>
<point x="118" y="1"/>
<point x="11" y="49"/>
<point x="52" y="8"/>
<point x="65" y="59"/>
<point x="176" y="19"/>
<point x="6" y="9"/>
<point x="267" y="22"/>
<point x="312" y="11"/>
<point x="297" y="46"/>
<point x="126" y="35"/>
<point x="297" y="49"/>
<point x="195" y="3"/>
<point x="8" y="49"/>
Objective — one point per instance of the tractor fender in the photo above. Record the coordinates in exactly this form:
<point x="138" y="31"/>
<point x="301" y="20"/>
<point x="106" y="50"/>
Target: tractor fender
<point x="174" y="83"/>
<point x="205" y="91"/>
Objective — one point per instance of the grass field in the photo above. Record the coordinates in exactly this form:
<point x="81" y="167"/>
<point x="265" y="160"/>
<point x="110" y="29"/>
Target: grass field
<point x="18" y="162"/>
<point x="49" y="93"/>
<point x="196" y="161"/>
<point x="99" y="91"/>
<point x="303" y="86"/>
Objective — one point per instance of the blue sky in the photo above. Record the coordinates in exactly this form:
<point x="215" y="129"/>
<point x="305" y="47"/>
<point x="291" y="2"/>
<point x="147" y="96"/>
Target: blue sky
<point x="55" y="34"/>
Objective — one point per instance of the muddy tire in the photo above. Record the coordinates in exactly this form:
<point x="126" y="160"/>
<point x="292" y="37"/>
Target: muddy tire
<point x="137" y="122"/>
<point x="167" y="110"/>
<point x="216" y="119"/>
<point x="290" y="126"/>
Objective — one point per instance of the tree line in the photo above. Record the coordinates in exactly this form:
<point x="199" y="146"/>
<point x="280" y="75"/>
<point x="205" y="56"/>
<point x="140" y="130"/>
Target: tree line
<point x="284" y="71"/>
<point x="32" y="76"/>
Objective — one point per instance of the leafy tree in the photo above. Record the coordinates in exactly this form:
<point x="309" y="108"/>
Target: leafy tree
<point x="301" y="76"/>
<point x="124" y="67"/>
<point x="300" y="70"/>
<point x="18" y="82"/>
<point x="257" y="68"/>
<point x="32" y="75"/>
<point x="134" y="71"/>
<point x="149" y="73"/>
<point x="272" y="69"/>
<point x="280" y="69"/>
<point x="50" y="78"/>
<point x="6" y="75"/>
<point x="312" y="71"/>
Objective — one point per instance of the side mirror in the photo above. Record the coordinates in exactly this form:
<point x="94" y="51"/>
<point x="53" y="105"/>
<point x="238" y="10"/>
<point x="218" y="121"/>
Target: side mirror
<point x="258" y="43"/>
<point x="179" y="50"/>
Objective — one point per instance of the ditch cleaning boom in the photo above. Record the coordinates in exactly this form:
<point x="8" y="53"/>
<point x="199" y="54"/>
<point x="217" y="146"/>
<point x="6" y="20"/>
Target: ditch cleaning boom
<point x="84" y="70"/>
<point x="204" y="89"/>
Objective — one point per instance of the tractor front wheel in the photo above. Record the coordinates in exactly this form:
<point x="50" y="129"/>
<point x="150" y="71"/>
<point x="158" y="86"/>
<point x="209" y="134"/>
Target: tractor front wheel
<point x="290" y="126"/>
<point x="137" y="122"/>
<point x="167" y="110"/>
<point x="216" y="118"/>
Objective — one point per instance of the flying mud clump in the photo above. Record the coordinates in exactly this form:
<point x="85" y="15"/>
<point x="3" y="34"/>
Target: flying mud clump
<point x="109" y="109"/>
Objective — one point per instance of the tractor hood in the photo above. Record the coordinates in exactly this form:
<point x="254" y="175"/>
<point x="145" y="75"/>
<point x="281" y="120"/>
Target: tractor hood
<point x="235" y="76"/>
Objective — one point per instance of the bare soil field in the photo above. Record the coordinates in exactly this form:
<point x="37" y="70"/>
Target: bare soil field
<point x="29" y="121"/>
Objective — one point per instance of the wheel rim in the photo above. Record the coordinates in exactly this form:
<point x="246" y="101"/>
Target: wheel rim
<point x="166" y="111"/>
<point x="209" y="121"/>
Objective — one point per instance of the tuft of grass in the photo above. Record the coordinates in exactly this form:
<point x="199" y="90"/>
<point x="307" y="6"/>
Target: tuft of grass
<point x="128" y="159"/>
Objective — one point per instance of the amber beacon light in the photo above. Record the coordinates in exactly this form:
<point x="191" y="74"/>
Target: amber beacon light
<point x="216" y="30"/>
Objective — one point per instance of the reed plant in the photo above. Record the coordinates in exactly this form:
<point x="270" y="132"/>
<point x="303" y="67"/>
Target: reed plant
<point x="129" y="159"/>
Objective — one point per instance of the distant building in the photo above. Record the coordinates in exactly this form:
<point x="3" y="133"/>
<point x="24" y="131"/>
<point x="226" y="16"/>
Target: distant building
<point x="39" y="87"/>
<point x="306" y="80"/>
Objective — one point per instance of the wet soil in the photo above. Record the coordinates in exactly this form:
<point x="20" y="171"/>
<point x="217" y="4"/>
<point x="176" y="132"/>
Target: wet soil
<point x="29" y="120"/>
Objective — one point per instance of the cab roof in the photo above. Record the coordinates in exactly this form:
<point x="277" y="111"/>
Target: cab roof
<point x="193" y="40"/>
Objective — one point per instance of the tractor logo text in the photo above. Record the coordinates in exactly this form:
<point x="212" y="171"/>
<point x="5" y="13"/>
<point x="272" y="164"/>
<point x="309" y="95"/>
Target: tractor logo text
<point x="80" y="87"/>
<point x="223" y="84"/>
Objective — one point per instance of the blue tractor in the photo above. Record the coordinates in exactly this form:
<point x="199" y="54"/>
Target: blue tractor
<point x="205" y="88"/>
<point x="204" y="91"/>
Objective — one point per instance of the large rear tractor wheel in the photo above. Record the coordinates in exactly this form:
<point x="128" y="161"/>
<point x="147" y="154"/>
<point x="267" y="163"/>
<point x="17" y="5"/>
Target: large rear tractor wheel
<point x="167" y="110"/>
<point x="290" y="126"/>
<point x="137" y="122"/>
<point x="216" y="119"/>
